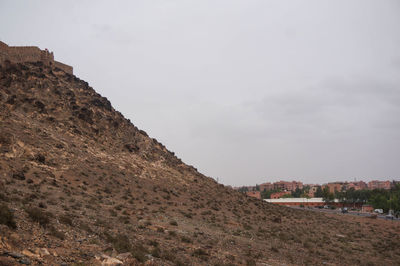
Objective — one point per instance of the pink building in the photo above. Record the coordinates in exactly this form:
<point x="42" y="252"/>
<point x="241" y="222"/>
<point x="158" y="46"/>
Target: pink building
<point x="254" y="194"/>
<point x="333" y="187"/>
<point x="357" y="185"/>
<point x="266" y="186"/>
<point x="278" y="195"/>
<point x="375" y="184"/>
<point x="289" y="186"/>
<point x="367" y="208"/>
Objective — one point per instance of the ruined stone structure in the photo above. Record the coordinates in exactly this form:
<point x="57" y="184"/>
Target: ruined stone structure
<point x="21" y="54"/>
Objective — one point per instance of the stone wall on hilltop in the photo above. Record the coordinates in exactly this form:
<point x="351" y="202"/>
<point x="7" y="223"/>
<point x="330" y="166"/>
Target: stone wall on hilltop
<point x="66" y="68"/>
<point x="22" y="54"/>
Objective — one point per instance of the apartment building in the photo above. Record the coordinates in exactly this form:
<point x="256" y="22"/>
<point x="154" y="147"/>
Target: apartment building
<point x="266" y="186"/>
<point x="288" y="186"/>
<point x="375" y="184"/>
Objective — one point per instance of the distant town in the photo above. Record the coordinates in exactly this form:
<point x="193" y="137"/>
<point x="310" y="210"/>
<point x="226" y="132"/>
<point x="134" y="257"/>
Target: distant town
<point x="358" y="195"/>
<point x="298" y="189"/>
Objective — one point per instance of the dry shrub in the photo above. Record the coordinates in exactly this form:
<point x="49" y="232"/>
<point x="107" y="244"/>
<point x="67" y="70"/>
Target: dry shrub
<point x="7" y="217"/>
<point x="37" y="215"/>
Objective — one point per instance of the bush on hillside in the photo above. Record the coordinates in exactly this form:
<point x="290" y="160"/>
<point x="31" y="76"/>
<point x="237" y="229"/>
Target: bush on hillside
<point x="6" y="216"/>
<point x="37" y="215"/>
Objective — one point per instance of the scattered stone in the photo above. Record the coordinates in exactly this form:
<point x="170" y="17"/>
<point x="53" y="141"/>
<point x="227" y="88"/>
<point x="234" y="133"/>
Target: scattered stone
<point x="42" y="252"/>
<point x="3" y="242"/>
<point x="81" y="240"/>
<point x="14" y="255"/>
<point x="111" y="262"/>
<point x="25" y="261"/>
<point x="108" y="261"/>
<point x="124" y="256"/>
<point x="29" y="254"/>
<point x="150" y="263"/>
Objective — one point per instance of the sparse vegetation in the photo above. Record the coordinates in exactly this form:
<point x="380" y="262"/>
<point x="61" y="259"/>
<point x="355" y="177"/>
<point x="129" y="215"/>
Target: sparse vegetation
<point x="65" y="219"/>
<point x="54" y="232"/>
<point x="6" y="216"/>
<point x="37" y="215"/>
<point x="186" y="239"/>
<point x="200" y="253"/>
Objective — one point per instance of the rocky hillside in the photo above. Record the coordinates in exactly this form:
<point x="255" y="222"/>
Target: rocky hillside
<point x="81" y="185"/>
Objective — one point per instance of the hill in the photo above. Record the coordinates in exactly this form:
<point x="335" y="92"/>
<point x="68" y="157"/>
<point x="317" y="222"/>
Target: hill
<point x="81" y="185"/>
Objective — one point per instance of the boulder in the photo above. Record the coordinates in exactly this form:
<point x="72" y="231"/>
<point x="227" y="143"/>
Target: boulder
<point x="25" y="261"/>
<point x="42" y="252"/>
<point x="111" y="262"/>
<point x="14" y="255"/>
<point x="29" y="254"/>
<point x="124" y="256"/>
<point x="107" y="260"/>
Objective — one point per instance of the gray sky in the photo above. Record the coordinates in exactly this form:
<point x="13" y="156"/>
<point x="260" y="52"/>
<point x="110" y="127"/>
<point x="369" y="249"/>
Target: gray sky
<point x="246" y="91"/>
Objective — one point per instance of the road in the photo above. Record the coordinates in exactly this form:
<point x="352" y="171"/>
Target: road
<point x="354" y="213"/>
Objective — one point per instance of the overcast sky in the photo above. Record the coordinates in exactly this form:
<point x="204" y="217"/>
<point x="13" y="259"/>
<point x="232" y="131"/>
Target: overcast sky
<point x="246" y="91"/>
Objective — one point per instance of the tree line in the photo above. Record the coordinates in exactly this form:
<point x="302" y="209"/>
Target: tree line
<point x="385" y="199"/>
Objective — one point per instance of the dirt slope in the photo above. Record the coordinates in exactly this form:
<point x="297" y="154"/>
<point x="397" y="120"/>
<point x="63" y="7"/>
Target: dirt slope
<point x="81" y="185"/>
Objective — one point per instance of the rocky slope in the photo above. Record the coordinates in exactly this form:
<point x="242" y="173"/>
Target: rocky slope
<point x="81" y="185"/>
